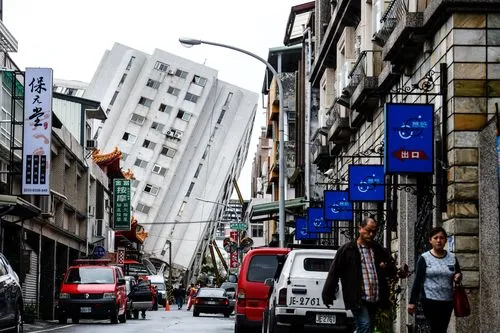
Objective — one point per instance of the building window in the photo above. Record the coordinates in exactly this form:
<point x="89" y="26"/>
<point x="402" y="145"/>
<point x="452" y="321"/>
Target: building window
<point x="221" y="116"/>
<point x="161" y="66"/>
<point x="205" y="153"/>
<point x="197" y="173"/>
<point x="165" y="108"/>
<point x="228" y="99"/>
<point x="153" y="190"/>
<point x="132" y="58"/>
<point x="137" y="119"/>
<point x="157" y="126"/>
<point x="191" y="97"/>
<point x="71" y="91"/>
<point x="135" y="183"/>
<point x="183" y="115"/>
<point x="149" y="144"/>
<point x="145" y="102"/>
<point x="173" y="91"/>
<point x="180" y="73"/>
<point x="257" y="230"/>
<point x="140" y="163"/>
<point x="167" y="151"/>
<point x="174" y="133"/>
<point x="158" y="169"/>
<point x="122" y="80"/>
<point x="181" y="210"/>
<point x="153" y="84"/>
<point x="124" y="156"/>
<point x="129" y="137"/>
<point x="108" y="110"/>
<point x="190" y="189"/>
<point x="113" y="99"/>
<point x="143" y="208"/>
<point x="200" y="81"/>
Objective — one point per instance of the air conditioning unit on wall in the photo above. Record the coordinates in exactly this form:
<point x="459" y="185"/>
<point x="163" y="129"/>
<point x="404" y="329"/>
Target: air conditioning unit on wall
<point x="91" y="144"/>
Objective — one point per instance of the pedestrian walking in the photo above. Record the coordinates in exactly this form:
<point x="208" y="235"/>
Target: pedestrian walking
<point x="436" y="272"/>
<point x="181" y="295"/>
<point x="362" y="266"/>
<point x="191" y="296"/>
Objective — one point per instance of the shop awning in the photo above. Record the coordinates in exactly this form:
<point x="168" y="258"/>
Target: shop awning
<point x="17" y="206"/>
<point x="292" y="206"/>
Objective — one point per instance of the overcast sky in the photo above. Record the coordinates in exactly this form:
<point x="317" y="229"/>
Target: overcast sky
<point x="71" y="36"/>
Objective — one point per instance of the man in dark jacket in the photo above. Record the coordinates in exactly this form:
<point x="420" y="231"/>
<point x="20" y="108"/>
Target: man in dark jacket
<point x="362" y="266"/>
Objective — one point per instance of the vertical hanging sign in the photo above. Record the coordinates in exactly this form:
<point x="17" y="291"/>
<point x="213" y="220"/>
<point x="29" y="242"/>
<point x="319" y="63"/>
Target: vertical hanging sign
<point x="37" y="131"/>
<point x="121" y="204"/>
<point x="409" y="138"/>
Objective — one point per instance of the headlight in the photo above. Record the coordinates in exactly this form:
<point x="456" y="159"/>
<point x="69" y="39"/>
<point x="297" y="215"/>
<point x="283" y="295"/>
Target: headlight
<point x="109" y="295"/>
<point x="64" y="296"/>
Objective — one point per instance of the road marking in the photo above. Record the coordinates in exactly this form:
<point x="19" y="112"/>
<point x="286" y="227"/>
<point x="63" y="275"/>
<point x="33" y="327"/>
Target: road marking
<point x="52" y="329"/>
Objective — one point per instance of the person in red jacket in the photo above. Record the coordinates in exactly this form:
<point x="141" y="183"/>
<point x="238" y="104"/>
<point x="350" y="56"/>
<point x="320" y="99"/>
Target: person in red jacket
<point x="192" y="295"/>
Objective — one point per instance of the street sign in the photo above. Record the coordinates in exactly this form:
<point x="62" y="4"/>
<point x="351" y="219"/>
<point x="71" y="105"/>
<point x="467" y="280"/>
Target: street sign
<point x="238" y="226"/>
<point x="99" y="252"/>
<point x="121" y="200"/>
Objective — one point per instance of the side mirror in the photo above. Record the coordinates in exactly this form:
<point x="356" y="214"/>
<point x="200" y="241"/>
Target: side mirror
<point x="121" y="282"/>
<point x="269" y="282"/>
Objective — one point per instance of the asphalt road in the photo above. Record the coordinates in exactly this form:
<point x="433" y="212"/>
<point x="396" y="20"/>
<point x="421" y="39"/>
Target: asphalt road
<point x="177" y="321"/>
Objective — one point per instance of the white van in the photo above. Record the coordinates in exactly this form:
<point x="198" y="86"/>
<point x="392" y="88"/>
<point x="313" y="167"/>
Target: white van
<point x="159" y="282"/>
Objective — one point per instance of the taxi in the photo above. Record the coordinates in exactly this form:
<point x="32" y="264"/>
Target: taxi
<point x="93" y="289"/>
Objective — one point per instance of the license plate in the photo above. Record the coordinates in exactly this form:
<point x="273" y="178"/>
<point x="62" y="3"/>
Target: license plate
<point x="86" y="310"/>
<point x="325" y="319"/>
<point x="211" y="302"/>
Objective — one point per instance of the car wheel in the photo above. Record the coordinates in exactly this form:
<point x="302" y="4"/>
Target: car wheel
<point x="196" y="313"/>
<point x="114" y="317"/>
<point x="238" y="328"/>
<point x="19" y="323"/>
<point x="129" y="314"/>
<point x="271" y="325"/>
<point x="75" y="320"/>
<point x="62" y="320"/>
<point x="136" y="314"/>
<point x="123" y="318"/>
<point x="227" y="314"/>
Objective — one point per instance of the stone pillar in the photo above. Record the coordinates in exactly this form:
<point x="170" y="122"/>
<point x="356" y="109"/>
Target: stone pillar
<point x="407" y="218"/>
<point x="489" y="234"/>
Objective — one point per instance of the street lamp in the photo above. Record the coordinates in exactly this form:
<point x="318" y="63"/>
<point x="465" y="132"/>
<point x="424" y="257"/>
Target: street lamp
<point x="281" y="124"/>
<point x="169" y="260"/>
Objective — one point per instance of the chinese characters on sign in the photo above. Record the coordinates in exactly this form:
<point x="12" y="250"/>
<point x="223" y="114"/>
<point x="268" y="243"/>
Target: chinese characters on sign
<point x="366" y="183"/>
<point x="37" y="131"/>
<point x="409" y="138"/>
<point x="233" y="257"/>
<point x="121" y="207"/>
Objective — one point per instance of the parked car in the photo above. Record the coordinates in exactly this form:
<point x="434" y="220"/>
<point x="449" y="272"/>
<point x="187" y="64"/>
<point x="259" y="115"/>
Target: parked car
<point x="230" y="288"/>
<point x="93" y="289"/>
<point x="141" y="298"/>
<point x="212" y="300"/>
<point x="11" y="299"/>
<point x="296" y="304"/>
<point x="252" y="294"/>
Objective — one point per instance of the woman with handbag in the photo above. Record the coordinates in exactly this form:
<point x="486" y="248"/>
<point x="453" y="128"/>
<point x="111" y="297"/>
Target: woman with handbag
<point x="437" y="271"/>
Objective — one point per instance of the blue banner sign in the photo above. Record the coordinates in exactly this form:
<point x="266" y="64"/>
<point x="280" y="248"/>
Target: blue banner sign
<point x="301" y="229"/>
<point x="337" y="206"/>
<point x="409" y="138"/>
<point x="366" y="183"/>
<point x="316" y="223"/>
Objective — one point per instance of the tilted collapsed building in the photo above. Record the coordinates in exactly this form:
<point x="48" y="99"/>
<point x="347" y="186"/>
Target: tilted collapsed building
<point x="184" y="134"/>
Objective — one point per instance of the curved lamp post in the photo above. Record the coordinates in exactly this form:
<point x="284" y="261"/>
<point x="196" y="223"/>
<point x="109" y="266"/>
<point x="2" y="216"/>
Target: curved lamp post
<point x="281" y="125"/>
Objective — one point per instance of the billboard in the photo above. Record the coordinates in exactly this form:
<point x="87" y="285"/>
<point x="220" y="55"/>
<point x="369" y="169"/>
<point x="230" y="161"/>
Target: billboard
<point x="337" y="206"/>
<point x="301" y="232"/>
<point x="409" y="138"/>
<point x="316" y="223"/>
<point x="37" y="133"/>
<point x="366" y="183"/>
<point x="121" y="204"/>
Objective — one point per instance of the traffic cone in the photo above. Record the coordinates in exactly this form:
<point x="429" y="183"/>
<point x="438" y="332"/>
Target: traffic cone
<point x="167" y="305"/>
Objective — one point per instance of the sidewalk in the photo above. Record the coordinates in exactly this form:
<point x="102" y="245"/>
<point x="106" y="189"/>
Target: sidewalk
<point x="40" y="325"/>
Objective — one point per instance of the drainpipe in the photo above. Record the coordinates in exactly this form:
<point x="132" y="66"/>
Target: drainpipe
<point x="307" y="115"/>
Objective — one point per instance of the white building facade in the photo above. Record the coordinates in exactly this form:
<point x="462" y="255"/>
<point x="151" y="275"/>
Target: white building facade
<point x="185" y="135"/>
